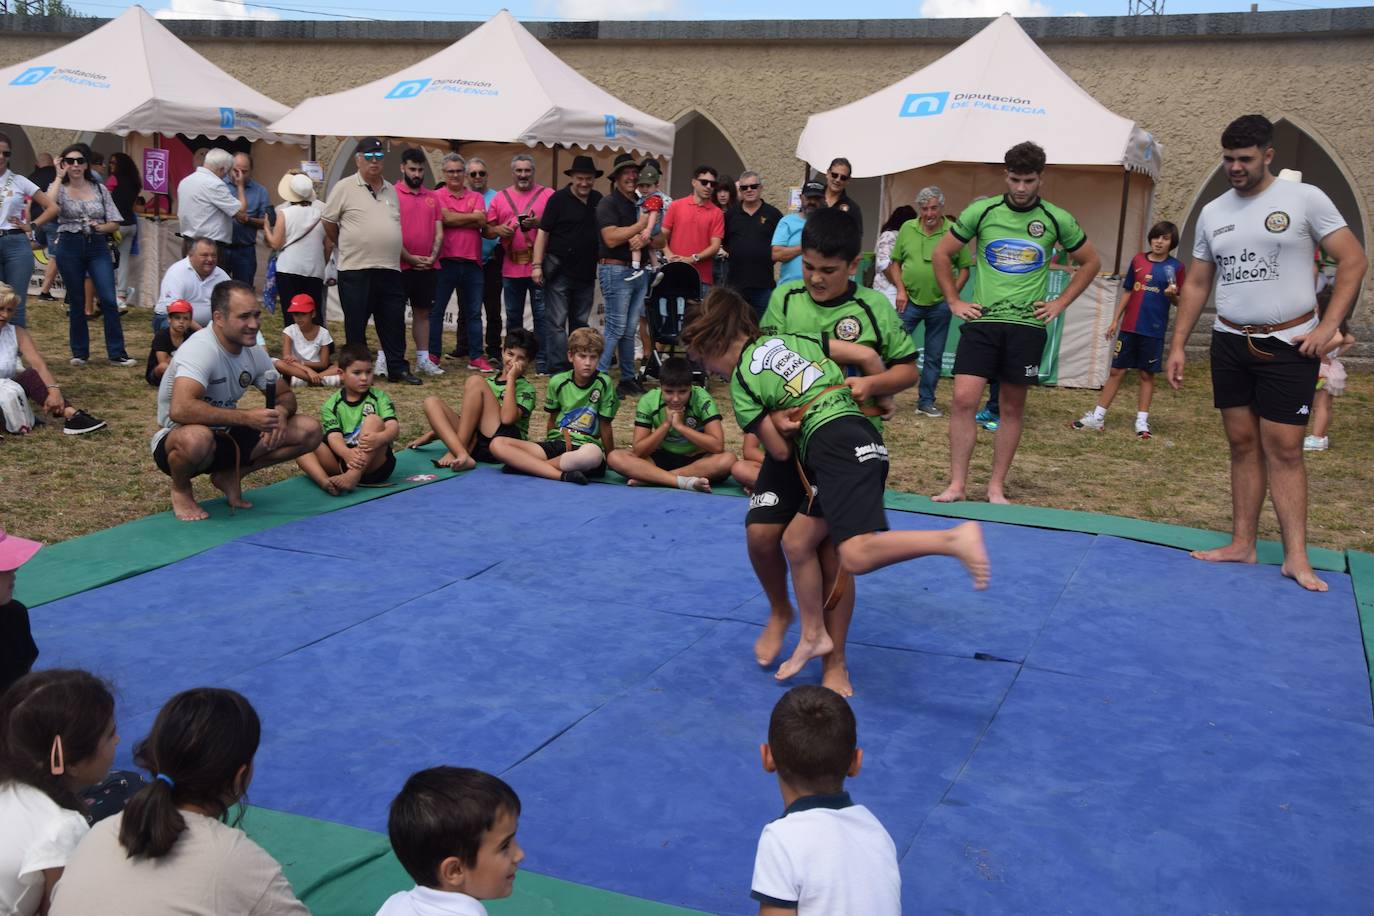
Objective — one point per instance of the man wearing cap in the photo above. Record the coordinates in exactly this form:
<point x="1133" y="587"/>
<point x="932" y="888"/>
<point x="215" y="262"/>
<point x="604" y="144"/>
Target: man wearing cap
<point x="242" y="257"/>
<point x="749" y="228"/>
<point x="620" y="222"/>
<point x="564" y="264"/>
<point x="787" y="237"/>
<point x="18" y="651"/>
<point x="513" y="219"/>
<point x="694" y="226"/>
<point x="422" y="235"/>
<point x="206" y="208"/>
<point x="193" y="279"/>
<point x="464" y="214"/>
<point x="362" y="218"/>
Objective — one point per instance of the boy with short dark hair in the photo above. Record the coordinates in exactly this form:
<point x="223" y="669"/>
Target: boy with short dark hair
<point x="679" y="439"/>
<point x="453" y="830"/>
<point x="1152" y="283"/>
<point x="581" y="403"/>
<point x="359" y="426"/>
<point x="825" y="855"/>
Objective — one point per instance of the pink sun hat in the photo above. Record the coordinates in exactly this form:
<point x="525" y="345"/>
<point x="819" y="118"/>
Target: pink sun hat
<point x="15" y="551"/>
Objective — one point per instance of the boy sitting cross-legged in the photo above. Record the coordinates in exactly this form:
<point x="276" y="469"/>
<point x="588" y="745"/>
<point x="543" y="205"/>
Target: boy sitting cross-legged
<point x="492" y="406"/>
<point x="359" y="426"/>
<point x="581" y="403"/>
<point x="679" y="440"/>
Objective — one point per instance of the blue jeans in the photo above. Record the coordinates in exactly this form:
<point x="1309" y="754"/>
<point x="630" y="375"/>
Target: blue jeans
<point x="567" y="306"/>
<point x="624" y="306"/>
<point x="757" y="297"/>
<point x="936" y="318"/>
<point x="16" y="267"/>
<point x="78" y="257"/>
<point x="242" y="264"/>
<point x="516" y="290"/>
<point x="466" y="278"/>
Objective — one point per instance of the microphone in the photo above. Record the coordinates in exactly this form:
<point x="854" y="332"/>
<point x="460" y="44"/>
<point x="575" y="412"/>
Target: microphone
<point x="271" y="376"/>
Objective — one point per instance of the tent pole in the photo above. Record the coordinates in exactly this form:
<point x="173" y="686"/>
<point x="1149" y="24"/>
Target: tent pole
<point x="1121" y="221"/>
<point x="312" y="147"/>
<point x="553" y="179"/>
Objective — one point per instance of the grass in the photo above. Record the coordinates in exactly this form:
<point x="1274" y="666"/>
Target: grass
<point x="54" y="487"/>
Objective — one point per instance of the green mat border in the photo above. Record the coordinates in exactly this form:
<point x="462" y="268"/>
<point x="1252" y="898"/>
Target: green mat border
<point x="1362" y="578"/>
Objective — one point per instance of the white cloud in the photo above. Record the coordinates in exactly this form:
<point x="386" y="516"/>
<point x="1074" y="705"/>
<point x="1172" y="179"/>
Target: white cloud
<point x="213" y="9"/>
<point x="977" y="9"/>
<point x="613" y="9"/>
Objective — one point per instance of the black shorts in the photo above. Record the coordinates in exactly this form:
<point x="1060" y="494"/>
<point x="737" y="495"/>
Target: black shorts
<point x="383" y="472"/>
<point x="225" y="456"/>
<point x="1136" y="351"/>
<point x="847" y="464"/>
<point x="554" y="448"/>
<point x="481" y="446"/>
<point x="1278" y="389"/>
<point x="665" y="460"/>
<point x="778" y="493"/>
<point x="419" y="287"/>
<point x="1001" y="351"/>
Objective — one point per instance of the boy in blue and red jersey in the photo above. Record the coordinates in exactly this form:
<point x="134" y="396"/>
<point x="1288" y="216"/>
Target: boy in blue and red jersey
<point x="1151" y="284"/>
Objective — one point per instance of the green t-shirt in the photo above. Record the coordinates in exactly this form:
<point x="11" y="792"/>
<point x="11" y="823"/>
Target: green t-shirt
<point x="339" y="415"/>
<point x="580" y="410"/>
<point x="701" y="409"/>
<point x="913" y="250"/>
<point x="524" y="399"/>
<point x="1014" y="249"/>
<point x="782" y="371"/>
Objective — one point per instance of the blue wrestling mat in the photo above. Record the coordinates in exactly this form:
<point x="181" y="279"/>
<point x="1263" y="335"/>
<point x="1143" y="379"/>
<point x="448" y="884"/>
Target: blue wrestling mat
<point x="1112" y="727"/>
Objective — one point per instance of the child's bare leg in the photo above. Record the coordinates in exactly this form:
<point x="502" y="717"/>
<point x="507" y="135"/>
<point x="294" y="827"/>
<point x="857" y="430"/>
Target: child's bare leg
<point x="697" y="475"/>
<point x="349" y="477"/>
<point x="319" y="465"/>
<point x="799" y="542"/>
<point x="770" y="567"/>
<point x="525" y="457"/>
<point x="1114" y="379"/>
<point x="864" y="553"/>
<point x="1147" y="391"/>
<point x="746" y="473"/>
<point x="583" y="458"/>
<point x="834" y="671"/>
<point x="447" y="425"/>
<point x="1321" y="412"/>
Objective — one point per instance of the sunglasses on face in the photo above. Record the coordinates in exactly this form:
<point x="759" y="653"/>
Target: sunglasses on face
<point x="374" y="157"/>
<point x="4" y="153"/>
<point x="706" y="182"/>
<point x="839" y="177"/>
<point x="749" y="187"/>
<point x="73" y="160"/>
<point x="477" y="174"/>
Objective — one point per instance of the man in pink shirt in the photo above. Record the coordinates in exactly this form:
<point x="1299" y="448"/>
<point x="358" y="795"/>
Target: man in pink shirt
<point x="694" y="226"/>
<point x="422" y="232"/>
<point x="464" y="215"/>
<point x="513" y="217"/>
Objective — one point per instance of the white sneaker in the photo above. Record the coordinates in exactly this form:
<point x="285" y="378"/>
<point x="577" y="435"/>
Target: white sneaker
<point x="1090" y="420"/>
<point x="1316" y="443"/>
<point x="1142" y="429"/>
<point x="634" y="275"/>
<point x="379" y="367"/>
<point x="77" y="361"/>
<point x="427" y="367"/>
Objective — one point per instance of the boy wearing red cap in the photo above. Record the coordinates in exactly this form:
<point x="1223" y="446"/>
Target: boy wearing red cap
<point x="180" y="326"/>
<point x="17" y="649"/>
<point x="306" y="347"/>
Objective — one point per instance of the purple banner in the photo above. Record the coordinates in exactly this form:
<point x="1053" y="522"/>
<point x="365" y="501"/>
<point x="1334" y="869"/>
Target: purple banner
<point x="155" y="162"/>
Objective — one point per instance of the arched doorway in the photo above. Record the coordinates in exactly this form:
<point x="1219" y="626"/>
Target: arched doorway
<point x="21" y="149"/>
<point x="699" y="141"/>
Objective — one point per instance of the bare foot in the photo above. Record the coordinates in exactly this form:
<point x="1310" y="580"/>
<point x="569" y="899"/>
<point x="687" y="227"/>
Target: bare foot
<point x="1231" y="553"/>
<point x="769" y="643"/>
<point x="967" y="547"/>
<point x="454" y="463"/>
<point x="1304" y="576"/>
<point x="187" y="509"/>
<point x="835" y="675"/>
<point x="998" y="497"/>
<point x="227" y="482"/>
<point x="330" y="487"/>
<point x="951" y="494"/>
<point x="631" y="482"/>
<point x="341" y="484"/>
<point x="805" y="651"/>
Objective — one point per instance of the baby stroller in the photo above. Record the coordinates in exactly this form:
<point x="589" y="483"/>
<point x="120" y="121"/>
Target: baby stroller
<point x="669" y="306"/>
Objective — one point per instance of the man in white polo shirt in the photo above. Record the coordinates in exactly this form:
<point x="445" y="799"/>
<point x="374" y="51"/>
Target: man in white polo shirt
<point x="1257" y="243"/>
<point x="193" y="278"/>
<point x="206" y="208"/>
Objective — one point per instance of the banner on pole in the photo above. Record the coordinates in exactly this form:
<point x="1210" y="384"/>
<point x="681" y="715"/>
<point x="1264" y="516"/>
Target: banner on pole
<point x="155" y="163"/>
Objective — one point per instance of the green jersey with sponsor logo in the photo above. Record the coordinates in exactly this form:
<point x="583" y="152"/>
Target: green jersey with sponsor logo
<point x="340" y="415"/>
<point x="580" y="410"/>
<point x="701" y="409"/>
<point x="1014" y="249"/>
<point x="782" y="371"/>
<point x="524" y="399"/>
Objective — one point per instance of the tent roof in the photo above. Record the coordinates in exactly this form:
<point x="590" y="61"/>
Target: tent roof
<point x="990" y="93"/>
<point x="133" y="75"/>
<point x="497" y="84"/>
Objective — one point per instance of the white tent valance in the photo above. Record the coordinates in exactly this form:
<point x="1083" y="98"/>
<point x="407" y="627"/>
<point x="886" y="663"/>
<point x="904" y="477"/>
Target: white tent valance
<point x="498" y="84"/>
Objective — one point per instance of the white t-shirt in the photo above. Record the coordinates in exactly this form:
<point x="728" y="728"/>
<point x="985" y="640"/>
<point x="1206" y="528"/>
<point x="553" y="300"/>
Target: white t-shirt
<point x="1263" y="249"/>
<point x="15" y="191"/>
<point x="38" y="833"/>
<point x="9" y="351"/>
<point x="212" y="870"/>
<point x="307" y="350"/>
<point x="425" y="901"/>
<point x="224" y="375"/>
<point x="828" y="856"/>
<point x="304" y="256"/>
<point x="182" y="282"/>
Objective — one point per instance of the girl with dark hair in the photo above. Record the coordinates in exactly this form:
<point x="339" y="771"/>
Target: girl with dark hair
<point x="725" y="196"/>
<point x="172" y="850"/>
<point x="57" y="738"/>
<point x="124" y="185"/>
<point x="16" y="238"/>
<point x="87" y="215"/>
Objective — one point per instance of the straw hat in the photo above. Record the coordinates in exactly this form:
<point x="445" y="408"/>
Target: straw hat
<point x="295" y="187"/>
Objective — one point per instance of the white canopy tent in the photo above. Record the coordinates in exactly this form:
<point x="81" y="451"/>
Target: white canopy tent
<point x="950" y="124"/>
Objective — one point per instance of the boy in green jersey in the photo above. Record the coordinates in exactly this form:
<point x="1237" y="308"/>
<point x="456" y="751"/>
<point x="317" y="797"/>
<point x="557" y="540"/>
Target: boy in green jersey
<point x="788" y="387"/>
<point x="1003" y="335"/>
<point x="679" y="440"/>
<point x="492" y="406"/>
<point x="581" y="403"/>
<point x="359" y="426"/>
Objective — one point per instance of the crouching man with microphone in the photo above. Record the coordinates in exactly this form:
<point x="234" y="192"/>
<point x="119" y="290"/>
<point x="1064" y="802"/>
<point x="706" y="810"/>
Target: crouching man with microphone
<point x="203" y="430"/>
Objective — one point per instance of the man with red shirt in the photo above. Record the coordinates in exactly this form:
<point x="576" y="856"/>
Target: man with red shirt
<point x="513" y="217"/>
<point x="422" y="233"/>
<point x="694" y="226"/>
<point x="464" y="214"/>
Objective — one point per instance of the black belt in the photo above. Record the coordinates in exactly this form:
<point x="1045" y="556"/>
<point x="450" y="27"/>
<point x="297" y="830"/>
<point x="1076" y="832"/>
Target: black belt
<point x="14" y="232"/>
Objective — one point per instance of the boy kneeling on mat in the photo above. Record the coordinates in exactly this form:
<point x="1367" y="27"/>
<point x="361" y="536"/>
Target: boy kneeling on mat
<point x="679" y="440"/>
<point x="453" y="830"/>
<point x="359" y="426"/>
<point x="581" y="403"/>
<point x="825" y="855"/>
<point x="790" y="386"/>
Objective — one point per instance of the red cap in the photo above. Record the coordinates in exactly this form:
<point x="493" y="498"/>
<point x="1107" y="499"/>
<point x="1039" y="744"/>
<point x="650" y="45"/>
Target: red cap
<point x="15" y="551"/>
<point x="302" y="302"/>
<point x="179" y="306"/>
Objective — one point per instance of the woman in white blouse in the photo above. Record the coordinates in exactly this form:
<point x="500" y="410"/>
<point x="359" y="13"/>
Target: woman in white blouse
<point x="882" y="252"/>
<point x="16" y="238"/>
<point x="302" y="248"/>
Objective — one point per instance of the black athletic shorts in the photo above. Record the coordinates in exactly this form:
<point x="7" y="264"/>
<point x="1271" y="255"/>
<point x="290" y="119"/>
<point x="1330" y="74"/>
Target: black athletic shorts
<point x="846" y="462"/>
<point x="481" y="446"/>
<point x="382" y="473"/>
<point x="1278" y="389"/>
<point x="665" y="460"/>
<point x="1136" y="351"/>
<point x="1001" y="351"/>
<point x="224" y="457"/>
<point x="778" y="493"/>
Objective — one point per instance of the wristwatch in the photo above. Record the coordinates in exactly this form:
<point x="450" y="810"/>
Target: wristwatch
<point x="696" y="259"/>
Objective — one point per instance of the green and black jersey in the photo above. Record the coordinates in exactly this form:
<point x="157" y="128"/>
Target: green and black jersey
<point x="782" y="371"/>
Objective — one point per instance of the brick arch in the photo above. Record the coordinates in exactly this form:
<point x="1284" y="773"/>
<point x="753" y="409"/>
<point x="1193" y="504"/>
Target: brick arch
<point x="700" y="141"/>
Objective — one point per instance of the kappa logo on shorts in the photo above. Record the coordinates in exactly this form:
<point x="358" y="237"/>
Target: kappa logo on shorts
<point x="847" y="329"/>
<point x="765" y="500"/>
<point x="1035" y="228"/>
<point x="1032" y="371"/>
<point x="1276" y="222"/>
<point x="1303" y="411"/>
<point x="870" y="451"/>
<point x="245" y="379"/>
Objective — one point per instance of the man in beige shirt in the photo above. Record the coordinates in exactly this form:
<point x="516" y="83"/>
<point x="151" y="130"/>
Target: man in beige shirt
<point x="363" y="220"/>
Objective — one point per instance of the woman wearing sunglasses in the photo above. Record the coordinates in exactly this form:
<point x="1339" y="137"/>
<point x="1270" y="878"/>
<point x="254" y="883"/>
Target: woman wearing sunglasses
<point x="16" y="245"/>
<point x="87" y="215"/>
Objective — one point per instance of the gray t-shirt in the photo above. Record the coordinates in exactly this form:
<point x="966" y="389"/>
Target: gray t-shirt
<point x="224" y="375"/>
<point x="1263" y="249"/>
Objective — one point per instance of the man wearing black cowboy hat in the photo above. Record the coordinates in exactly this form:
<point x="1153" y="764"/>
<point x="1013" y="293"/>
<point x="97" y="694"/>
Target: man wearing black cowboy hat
<point x="564" y="261"/>
<point x="622" y="286"/>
